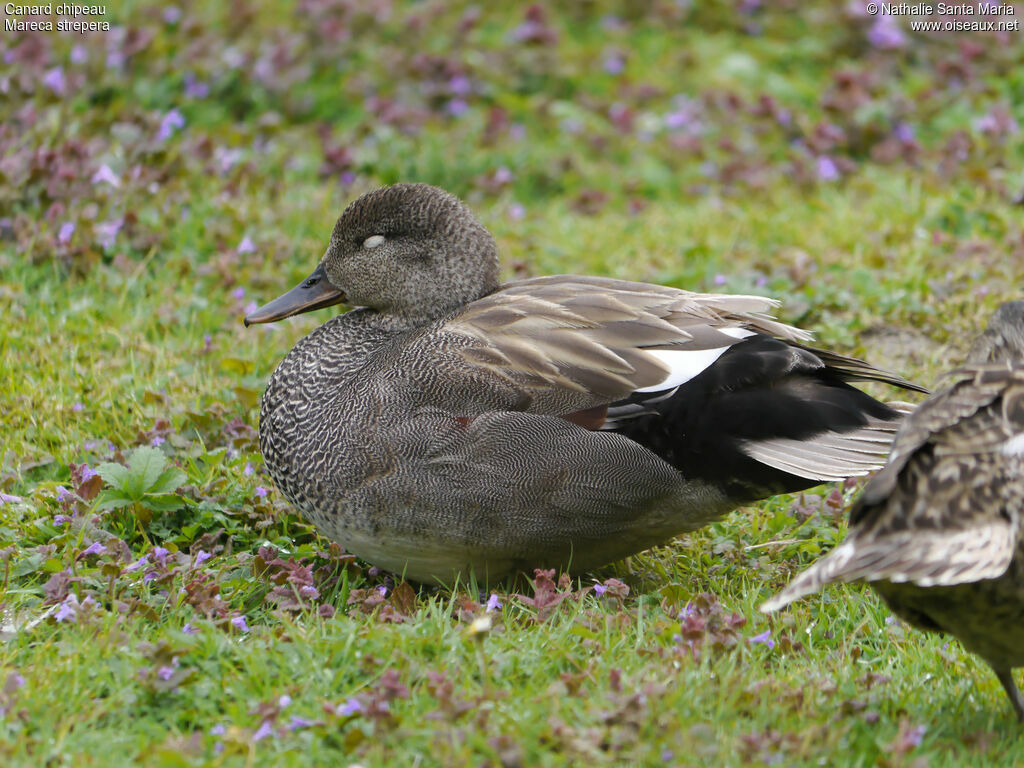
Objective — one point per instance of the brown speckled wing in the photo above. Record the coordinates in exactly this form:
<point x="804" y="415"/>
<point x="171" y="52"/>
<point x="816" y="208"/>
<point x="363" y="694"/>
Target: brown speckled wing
<point x="949" y="507"/>
<point x="594" y="335"/>
<point x="960" y="419"/>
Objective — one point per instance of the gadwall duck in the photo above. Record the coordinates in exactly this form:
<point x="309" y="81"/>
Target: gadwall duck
<point x="453" y="423"/>
<point x="939" y="532"/>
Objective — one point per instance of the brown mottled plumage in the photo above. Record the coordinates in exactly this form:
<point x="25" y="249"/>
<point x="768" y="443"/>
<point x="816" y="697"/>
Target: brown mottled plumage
<point x="939" y="532"/>
<point x="452" y="424"/>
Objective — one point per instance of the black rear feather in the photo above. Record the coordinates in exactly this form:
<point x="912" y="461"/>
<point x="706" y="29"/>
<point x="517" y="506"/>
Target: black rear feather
<point x="760" y="389"/>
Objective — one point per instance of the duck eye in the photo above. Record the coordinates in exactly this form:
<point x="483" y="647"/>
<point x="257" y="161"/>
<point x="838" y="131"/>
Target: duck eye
<point x="373" y="241"/>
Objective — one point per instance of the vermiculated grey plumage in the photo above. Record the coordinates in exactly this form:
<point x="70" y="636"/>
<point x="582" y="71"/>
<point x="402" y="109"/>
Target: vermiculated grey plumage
<point x="452" y="424"/>
<point x="939" y="532"/>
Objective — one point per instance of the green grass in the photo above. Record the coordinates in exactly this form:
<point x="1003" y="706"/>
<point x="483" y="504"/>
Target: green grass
<point x="112" y="342"/>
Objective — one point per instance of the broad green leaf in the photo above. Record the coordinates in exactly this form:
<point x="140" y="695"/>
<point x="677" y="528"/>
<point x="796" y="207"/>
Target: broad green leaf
<point x="113" y="474"/>
<point x="145" y="465"/>
<point x="161" y="502"/>
<point x="113" y="498"/>
<point x="170" y="480"/>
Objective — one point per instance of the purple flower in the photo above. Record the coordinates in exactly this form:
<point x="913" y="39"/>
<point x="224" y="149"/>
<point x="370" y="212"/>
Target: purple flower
<point x="157" y="441"/>
<point x="915" y="735"/>
<point x="687" y="611"/>
<point x="106" y="232"/>
<point x="886" y="34"/>
<point x="600" y="589"/>
<point x="238" y="293"/>
<point x="172" y="14"/>
<point x="248" y="469"/>
<point x="14" y="682"/>
<point x="93" y="549"/>
<point x="493" y="603"/>
<point x="106" y="176"/>
<point x="218" y="730"/>
<point x="54" y="80"/>
<point x="614" y="64"/>
<point x="684" y="116"/>
<point x="63" y="493"/>
<point x="67" y="229"/>
<point x="720" y="279"/>
<point x="261" y="492"/>
<point x="457" y="107"/>
<point x="265" y="729"/>
<point x="251" y="307"/>
<point x="997" y="122"/>
<point x="160" y="553"/>
<point x="764" y="637"/>
<point x="77" y="407"/>
<point x="79" y="55"/>
<point x="195" y="89"/>
<point x="8" y="498"/>
<point x="350" y="707"/>
<point x="284" y="701"/>
<point x="165" y="673"/>
<point x="170" y="123"/>
<point x="503" y="176"/>
<point x="87" y="473"/>
<point x="516" y="212"/>
<point x="57" y="519"/>
<point x="65" y="613"/>
<point x="299" y="722"/>
<point x="383" y="590"/>
<point x="571" y="125"/>
<point x="239" y="623"/>
<point x="67" y="610"/>
<point x="202" y="556"/>
<point x="309" y="591"/>
<point x="188" y="629"/>
<point x="904" y="132"/>
<point x="460" y="85"/>
<point x="142" y="561"/>
<point x="827" y="170"/>
<point x="246" y="246"/>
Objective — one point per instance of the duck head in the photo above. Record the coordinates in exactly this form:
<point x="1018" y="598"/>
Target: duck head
<point x="1004" y="338"/>
<point x="410" y="250"/>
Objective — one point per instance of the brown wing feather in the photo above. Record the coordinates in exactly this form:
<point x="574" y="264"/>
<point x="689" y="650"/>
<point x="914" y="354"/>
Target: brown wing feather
<point x="949" y="507"/>
<point x="591" y="333"/>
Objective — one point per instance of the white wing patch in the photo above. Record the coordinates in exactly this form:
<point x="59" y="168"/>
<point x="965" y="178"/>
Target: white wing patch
<point x="1014" y="446"/>
<point x="684" y="365"/>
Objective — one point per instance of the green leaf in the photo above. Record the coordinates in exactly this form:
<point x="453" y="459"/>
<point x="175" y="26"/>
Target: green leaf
<point x="171" y="479"/>
<point x="161" y="502"/>
<point x="113" y="474"/>
<point x="113" y="498"/>
<point x="146" y="465"/>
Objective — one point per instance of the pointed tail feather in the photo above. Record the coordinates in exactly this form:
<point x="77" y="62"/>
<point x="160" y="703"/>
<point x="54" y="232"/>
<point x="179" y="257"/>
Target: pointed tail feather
<point x="855" y="369"/>
<point x="832" y="456"/>
<point x="923" y="558"/>
<point x="828" y="570"/>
